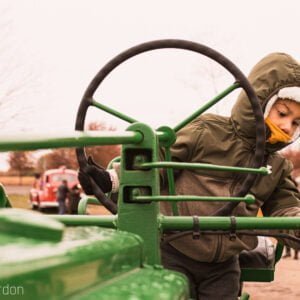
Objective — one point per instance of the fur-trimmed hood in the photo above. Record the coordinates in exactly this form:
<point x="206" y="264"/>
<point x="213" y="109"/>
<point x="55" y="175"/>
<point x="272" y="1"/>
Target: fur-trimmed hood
<point x="272" y="77"/>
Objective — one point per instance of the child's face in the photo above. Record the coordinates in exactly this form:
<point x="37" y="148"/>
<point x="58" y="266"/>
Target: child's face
<point x="285" y="114"/>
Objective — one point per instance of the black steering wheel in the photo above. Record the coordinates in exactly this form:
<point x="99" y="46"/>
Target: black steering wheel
<point x="87" y="100"/>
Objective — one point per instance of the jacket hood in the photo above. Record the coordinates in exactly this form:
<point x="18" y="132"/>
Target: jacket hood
<point x="271" y="74"/>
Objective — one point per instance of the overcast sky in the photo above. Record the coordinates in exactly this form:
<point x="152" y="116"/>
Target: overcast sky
<point x="51" y="50"/>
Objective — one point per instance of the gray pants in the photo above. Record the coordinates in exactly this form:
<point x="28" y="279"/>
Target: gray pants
<point x="62" y="208"/>
<point x="208" y="281"/>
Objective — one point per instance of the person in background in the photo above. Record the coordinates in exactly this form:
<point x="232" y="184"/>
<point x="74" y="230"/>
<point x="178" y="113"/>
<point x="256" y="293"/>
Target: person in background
<point x="74" y="199"/>
<point x="288" y="253"/>
<point x="37" y="180"/>
<point x="62" y="196"/>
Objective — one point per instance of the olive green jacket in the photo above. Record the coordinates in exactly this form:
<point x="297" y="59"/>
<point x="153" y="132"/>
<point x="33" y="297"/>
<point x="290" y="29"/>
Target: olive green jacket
<point x="230" y="141"/>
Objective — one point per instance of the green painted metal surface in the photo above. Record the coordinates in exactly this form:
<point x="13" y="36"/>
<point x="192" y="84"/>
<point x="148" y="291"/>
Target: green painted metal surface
<point x="121" y="260"/>
<point x="69" y="139"/>
<point x="224" y="223"/>
<point x="171" y="182"/>
<point x="85" y="262"/>
<point x="278" y="252"/>
<point x="257" y="275"/>
<point x="141" y="284"/>
<point x="206" y="223"/>
<point x="249" y="199"/>
<point x="55" y="269"/>
<point x="139" y="218"/>
<point x="84" y="202"/>
<point x="181" y="165"/>
<point x="245" y="296"/>
<point x="28" y="142"/>
<point x="4" y="201"/>
<point x="46" y="266"/>
<point x="23" y="223"/>
<point x="108" y="221"/>
<point x="113" y="112"/>
<point x="186" y="223"/>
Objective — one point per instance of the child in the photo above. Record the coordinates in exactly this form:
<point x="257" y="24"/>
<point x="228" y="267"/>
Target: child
<point x="211" y="262"/>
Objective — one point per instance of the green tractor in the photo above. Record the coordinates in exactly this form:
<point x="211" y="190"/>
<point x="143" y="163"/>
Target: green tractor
<point x="117" y="256"/>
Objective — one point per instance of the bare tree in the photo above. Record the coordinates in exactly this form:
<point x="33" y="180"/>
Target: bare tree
<point x="208" y="77"/>
<point x="17" y="75"/>
<point x="67" y="157"/>
<point x="57" y="158"/>
<point x="103" y="154"/>
<point x="20" y="163"/>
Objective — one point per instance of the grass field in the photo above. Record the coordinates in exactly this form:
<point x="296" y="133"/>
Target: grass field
<point x="19" y="201"/>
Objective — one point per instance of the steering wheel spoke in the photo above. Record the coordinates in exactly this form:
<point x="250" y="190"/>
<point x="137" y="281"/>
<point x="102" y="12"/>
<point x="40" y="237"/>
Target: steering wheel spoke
<point x="113" y="112"/>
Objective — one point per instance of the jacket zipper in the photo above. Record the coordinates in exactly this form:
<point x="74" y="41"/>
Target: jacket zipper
<point x="219" y="237"/>
<point x="218" y="250"/>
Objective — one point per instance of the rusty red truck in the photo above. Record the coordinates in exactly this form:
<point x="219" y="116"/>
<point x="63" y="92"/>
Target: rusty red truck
<point x="42" y="195"/>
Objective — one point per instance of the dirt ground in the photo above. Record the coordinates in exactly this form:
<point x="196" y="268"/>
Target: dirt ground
<point x="285" y="286"/>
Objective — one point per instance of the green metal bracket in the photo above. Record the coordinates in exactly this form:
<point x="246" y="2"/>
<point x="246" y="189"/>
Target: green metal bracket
<point x="134" y="217"/>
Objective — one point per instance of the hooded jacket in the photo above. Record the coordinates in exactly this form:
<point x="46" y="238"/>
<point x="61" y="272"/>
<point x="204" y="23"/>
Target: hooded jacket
<point x="230" y="141"/>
